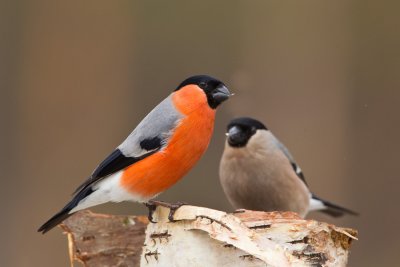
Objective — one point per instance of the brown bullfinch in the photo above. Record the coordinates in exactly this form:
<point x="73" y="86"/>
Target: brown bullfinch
<point x="165" y="145"/>
<point x="257" y="172"/>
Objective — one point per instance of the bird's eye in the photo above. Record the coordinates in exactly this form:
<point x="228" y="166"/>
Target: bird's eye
<point x="203" y="85"/>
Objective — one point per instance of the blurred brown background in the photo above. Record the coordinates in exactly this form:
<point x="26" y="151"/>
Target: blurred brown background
<point x="77" y="76"/>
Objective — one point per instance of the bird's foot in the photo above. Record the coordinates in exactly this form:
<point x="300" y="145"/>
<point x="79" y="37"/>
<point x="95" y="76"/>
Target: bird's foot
<point x="173" y="208"/>
<point x="152" y="205"/>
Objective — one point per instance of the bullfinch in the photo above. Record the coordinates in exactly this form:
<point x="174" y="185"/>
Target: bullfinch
<point x="257" y="172"/>
<point x="165" y="145"/>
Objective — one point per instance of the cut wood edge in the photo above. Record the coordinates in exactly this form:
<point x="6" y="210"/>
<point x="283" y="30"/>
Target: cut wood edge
<point x="104" y="240"/>
<point x="225" y="228"/>
<point x="275" y="238"/>
<point x="206" y="237"/>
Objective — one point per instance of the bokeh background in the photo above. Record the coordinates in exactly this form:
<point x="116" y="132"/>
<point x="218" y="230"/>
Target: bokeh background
<point x="77" y="76"/>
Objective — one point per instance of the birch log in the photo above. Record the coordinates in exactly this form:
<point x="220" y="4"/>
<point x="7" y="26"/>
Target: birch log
<point x="205" y="237"/>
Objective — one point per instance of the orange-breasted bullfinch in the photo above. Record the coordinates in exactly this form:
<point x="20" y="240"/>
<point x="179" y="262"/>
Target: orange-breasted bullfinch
<point x="165" y="145"/>
<point x="257" y="172"/>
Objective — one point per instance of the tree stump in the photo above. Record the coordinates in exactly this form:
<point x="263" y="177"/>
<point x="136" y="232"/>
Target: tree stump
<point x="205" y="237"/>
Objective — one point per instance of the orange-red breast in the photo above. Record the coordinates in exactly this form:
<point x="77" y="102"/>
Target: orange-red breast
<point x="165" y="145"/>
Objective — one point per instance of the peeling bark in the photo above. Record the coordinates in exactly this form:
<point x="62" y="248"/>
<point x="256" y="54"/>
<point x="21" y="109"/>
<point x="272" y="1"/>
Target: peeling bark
<point x="105" y="240"/>
<point x="206" y="237"/>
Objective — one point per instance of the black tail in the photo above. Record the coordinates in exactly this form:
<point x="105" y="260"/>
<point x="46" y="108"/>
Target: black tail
<point x="54" y="221"/>
<point x="333" y="209"/>
<point x="64" y="213"/>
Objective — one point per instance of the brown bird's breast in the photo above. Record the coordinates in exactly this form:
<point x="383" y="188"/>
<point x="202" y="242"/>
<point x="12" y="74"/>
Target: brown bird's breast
<point x="252" y="182"/>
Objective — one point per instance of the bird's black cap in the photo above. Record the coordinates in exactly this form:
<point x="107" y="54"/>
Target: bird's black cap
<point x="214" y="89"/>
<point x="200" y="80"/>
<point x="246" y="122"/>
<point x="240" y="130"/>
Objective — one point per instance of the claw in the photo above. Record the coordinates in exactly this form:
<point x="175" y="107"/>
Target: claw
<point x="152" y="207"/>
<point x="173" y="208"/>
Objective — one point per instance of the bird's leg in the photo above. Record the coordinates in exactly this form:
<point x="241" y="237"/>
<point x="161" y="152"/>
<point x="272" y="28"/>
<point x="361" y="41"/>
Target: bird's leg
<point x="172" y="209"/>
<point x="152" y="205"/>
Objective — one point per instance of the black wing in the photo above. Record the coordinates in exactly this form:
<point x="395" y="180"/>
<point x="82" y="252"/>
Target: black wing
<point x="295" y="167"/>
<point x="299" y="172"/>
<point x="117" y="161"/>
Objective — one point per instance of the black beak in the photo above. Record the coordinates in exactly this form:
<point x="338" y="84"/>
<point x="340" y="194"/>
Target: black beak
<point x="236" y="137"/>
<point x="220" y="94"/>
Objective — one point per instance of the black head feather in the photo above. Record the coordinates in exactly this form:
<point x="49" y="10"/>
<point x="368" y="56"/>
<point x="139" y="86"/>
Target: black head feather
<point x="240" y="130"/>
<point x="214" y="89"/>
